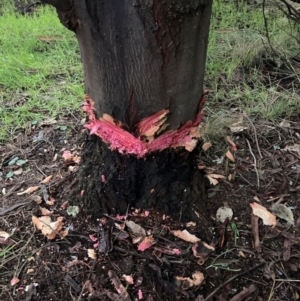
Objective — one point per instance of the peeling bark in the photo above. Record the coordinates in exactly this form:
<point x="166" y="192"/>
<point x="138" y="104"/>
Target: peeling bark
<point x="112" y="132"/>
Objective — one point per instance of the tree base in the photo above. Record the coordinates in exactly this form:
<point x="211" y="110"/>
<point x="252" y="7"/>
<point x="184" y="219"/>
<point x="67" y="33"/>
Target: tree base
<point x="169" y="181"/>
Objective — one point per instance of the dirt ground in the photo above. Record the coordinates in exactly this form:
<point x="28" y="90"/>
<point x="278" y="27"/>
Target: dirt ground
<point x="244" y="260"/>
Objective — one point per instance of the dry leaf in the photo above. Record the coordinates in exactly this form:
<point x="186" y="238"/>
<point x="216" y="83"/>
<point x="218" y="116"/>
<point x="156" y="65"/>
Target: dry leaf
<point x="5" y="240"/>
<point x="285" y="123"/>
<point x="36" y="198"/>
<point x="268" y="218"/>
<point x="29" y="190"/>
<point x="238" y="127"/>
<point x="212" y="181"/>
<point x="185" y="235"/>
<point x="55" y="157"/>
<point x="46" y="180"/>
<point x="29" y="271"/>
<point x="76" y="159"/>
<point x="18" y="171"/>
<point x="137" y="239"/>
<point x="140" y="294"/>
<point x="190" y="224"/>
<point x="4" y="234"/>
<point x="255" y="198"/>
<point x="64" y="233"/>
<point x="45" y="211"/>
<point x="14" y="281"/>
<point x="184" y="282"/>
<point x="51" y="201"/>
<point x="48" y="227"/>
<point x="64" y="205"/>
<point x="216" y="176"/>
<point x="67" y="155"/>
<point x="202" y="250"/>
<point x="223" y="213"/>
<point x="229" y="155"/>
<point x="283" y="212"/>
<point x="72" y="168"/>
<point x="92" y="253"/>
<point x="135" y="228"/>
<point x="198" y="278"/>
<point x="128" y="279"/>
<point x="232" y="144"/>
<point x="206" y="146"/>
<point x="146" y="243"/>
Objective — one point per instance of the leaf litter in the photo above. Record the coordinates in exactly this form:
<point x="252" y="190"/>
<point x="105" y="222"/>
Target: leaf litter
<point x="164" y="252"/>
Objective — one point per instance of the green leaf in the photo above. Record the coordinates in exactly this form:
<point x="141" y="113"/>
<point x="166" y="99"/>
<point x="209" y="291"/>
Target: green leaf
<point x="13" y="161"/>
<point x="21" y="162"/>
<point x="9" y="175"/>
<point x="73" y="210"/>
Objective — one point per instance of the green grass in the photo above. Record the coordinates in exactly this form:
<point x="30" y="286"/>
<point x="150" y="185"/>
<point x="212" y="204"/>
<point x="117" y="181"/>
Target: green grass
<point x="5" y="251"/>
<point x="238" y="48"/>
<point x="48" y="73"/>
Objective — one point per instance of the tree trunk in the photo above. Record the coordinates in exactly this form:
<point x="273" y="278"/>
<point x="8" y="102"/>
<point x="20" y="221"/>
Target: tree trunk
<point x="141" y="57"/>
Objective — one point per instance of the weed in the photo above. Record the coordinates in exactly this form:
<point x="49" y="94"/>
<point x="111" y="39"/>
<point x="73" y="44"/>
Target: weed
<point x="235" y="231"/>
<point x="5" y="251"/>
<point x="220" y="262"/>
<point x="237" y="54"/>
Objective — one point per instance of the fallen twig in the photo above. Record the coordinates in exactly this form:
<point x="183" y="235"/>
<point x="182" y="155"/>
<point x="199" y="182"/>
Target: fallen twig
<point x="244" y="293"/>
<point x="245" y="179"/>
<point x="254" y="226"/>
<point x="144" y="256"/>
<point x="118" y="286"/>
<point x="255" y="136"/>
<point x="255" y="163"/>
<point x="287" y="280"/>
<point x="11" y="208"/>
<point x="231" y="279"/>
<point x="271" y="292"/>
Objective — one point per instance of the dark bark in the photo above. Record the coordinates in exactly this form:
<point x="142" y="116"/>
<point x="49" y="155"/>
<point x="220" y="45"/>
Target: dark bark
<point x="147" y="55"/>
<point x="139" y="57"/>
<point x="66" y="12"/>
<point x="169" y="181"/>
